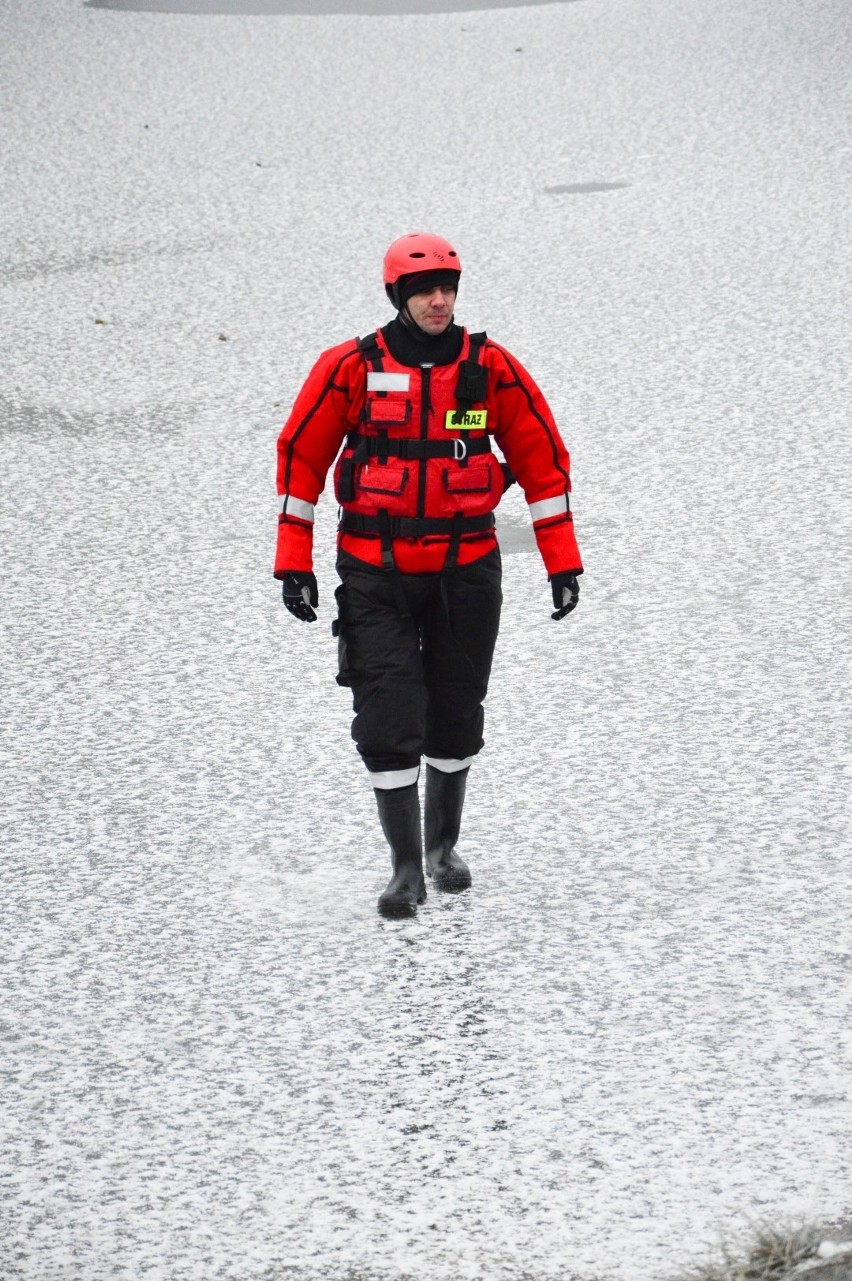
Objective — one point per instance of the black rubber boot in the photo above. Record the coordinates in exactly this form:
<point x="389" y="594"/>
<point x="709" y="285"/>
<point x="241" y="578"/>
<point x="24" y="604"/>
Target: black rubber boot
<point x="444" y="803"/>
<point x="399" y="815"/>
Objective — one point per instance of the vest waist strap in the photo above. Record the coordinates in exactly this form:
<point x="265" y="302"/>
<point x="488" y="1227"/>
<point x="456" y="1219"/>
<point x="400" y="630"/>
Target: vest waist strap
<point x="414" y="526"/>
<point x="399" y="447"/>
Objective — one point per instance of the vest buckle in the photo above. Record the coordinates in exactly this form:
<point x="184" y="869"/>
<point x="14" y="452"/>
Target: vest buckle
<point x="459" y="449"/>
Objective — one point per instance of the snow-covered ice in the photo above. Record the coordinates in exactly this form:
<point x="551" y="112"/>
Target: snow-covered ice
<point x="634" y="1032"/>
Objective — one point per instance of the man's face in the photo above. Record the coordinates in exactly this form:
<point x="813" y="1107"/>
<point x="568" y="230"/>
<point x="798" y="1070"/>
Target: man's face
<point x="432" y="309"/>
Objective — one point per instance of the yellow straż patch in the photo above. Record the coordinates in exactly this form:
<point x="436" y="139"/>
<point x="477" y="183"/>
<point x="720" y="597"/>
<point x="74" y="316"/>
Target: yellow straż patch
<point x="473" y="420"/>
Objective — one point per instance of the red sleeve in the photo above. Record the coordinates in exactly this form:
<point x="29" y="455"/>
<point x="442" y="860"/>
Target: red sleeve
<point x="526" y="432"/>
<point x="325" y="410"/>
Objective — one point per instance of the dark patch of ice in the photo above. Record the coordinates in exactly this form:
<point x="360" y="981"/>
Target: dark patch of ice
<point x="32" y="419"/>
<point x="514" y="538"/>
<point x="583" y="188"/>
<point x="59" y="265"/>
<point x="313" y="8"/>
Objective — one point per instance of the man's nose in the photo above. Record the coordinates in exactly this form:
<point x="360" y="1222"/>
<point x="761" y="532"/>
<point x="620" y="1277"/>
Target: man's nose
<point x="437" y="297"/>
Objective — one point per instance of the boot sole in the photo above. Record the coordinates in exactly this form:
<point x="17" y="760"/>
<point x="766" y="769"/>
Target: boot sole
<point x="397" y="911"/>
<point x="396" y="908"/>
<point x="450" y="882"/>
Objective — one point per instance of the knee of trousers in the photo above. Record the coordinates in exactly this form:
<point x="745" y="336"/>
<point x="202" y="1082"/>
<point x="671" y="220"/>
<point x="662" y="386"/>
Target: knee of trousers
<point x="454" y="726"/>
<point x="389" y="725"/>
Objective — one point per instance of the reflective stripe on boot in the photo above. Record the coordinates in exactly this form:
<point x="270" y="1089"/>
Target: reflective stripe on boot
<point x="399" y="815"/>
<point x="444" y="804"/>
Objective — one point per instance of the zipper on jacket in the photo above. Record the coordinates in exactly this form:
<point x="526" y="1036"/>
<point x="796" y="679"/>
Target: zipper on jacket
<point x="425" y="372"/>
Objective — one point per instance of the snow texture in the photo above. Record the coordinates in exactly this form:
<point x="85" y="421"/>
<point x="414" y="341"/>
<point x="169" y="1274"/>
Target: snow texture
<point x="219" y="1063"/>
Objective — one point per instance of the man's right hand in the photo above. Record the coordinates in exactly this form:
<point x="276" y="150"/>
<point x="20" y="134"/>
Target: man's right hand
<point x="299" y="590"/>
<point x="566" y="593"/>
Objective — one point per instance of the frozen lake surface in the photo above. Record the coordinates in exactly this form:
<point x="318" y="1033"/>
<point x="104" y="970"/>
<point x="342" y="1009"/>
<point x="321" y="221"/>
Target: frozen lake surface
<point x="219" y="1063"/>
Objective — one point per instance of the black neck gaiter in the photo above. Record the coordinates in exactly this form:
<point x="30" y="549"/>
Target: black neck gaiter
<point x="411" y="346"/>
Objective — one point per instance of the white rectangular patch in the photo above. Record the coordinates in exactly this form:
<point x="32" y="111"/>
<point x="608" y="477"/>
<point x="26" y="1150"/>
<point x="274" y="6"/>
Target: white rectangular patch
<point x="377" y="381"/>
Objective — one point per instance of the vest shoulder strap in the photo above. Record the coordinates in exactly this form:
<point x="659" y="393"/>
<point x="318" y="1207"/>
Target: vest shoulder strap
<point x="472" y="385"/>
<point x="477" y="342"/>
<point x="370" y="350"/>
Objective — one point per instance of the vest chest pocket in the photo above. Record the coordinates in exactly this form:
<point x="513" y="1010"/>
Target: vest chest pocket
<point x="386" y="411"/>
<point x="388" y="480"/>
<point x="473" y="479"/>
<point x="471" y="490"/>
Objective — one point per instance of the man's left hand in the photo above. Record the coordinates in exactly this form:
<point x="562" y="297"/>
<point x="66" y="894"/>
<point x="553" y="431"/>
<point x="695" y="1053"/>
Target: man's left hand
<point x="299" y="590"/>
<point x="566" y="593"/>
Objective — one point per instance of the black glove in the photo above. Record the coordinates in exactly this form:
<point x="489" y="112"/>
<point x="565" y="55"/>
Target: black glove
<point x="566" y="592"/>
<point x="299" y="590"/>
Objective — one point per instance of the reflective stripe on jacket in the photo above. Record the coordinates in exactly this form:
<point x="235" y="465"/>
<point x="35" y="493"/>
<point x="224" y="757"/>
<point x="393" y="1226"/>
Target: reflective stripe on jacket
<point x="346" y="402"/>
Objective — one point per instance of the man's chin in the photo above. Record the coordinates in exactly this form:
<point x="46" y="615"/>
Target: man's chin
<point x="431" y="328"/>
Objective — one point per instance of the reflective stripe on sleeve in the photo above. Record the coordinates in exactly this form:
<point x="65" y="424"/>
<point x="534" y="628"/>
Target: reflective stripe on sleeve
<point x="549" y="507"/>
<point x="388" y="779"/>
<point x="290" y="506"/>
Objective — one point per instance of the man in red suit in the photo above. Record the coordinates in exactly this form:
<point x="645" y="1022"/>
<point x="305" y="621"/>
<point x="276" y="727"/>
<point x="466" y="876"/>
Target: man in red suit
<point x="410" y="413"/>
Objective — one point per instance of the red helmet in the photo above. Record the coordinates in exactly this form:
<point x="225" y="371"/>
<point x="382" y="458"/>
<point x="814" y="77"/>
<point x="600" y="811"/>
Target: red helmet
<point x="417" y="253"/>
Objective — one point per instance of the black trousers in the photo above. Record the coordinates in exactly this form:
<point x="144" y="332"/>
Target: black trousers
<point x="416" y="650"/>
